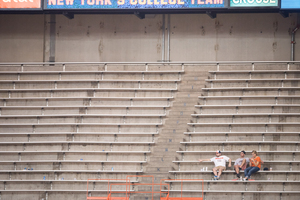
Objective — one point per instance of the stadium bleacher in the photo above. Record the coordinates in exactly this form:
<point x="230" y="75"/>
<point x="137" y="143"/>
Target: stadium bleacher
<point x="61" y="125"/>
<point x="251" y="106"/>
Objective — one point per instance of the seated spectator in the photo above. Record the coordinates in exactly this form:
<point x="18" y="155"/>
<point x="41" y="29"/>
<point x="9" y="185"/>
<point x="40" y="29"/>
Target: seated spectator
<point x="241" y="163"/>
<point x="255" y="165"/>
<point x="220" y="164"/>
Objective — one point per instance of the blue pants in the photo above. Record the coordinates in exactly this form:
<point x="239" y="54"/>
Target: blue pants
<point x="250" y="170"/>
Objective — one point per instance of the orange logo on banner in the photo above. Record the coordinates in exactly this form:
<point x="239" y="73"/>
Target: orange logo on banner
<point x="20" y="4"/>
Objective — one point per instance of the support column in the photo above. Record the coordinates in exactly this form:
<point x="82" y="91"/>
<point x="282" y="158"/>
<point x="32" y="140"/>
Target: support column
<point x="163" y="39"/>
<point x="52" y="37"/>
<point x="168" y="41"/>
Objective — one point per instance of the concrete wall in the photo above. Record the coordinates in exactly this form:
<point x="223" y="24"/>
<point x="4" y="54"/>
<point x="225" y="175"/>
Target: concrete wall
<point x="21" y="38"/>
<point x="123" y="38"/>
<point x="231" y="37"/>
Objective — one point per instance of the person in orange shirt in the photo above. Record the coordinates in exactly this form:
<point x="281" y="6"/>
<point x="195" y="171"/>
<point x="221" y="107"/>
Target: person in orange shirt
<point x="255" y="165"/>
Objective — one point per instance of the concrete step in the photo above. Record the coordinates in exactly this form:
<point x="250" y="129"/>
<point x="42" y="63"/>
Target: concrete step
<point x="191" y="98"/>
<point x="191" y="87"/>
<point x="167" y="149"/>
<point x="170" y="138"/>
<point x="157" y="169"/>
<point x="182" y="112"/>
<point x="183" y="108"/>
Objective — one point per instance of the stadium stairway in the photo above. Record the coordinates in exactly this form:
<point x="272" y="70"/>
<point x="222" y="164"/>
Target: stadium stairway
<point x="244" y="106"/>
<point x="164" y="152"/>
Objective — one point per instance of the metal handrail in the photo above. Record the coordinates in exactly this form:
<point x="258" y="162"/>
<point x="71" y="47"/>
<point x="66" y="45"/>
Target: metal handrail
<point x="162" y="63"/>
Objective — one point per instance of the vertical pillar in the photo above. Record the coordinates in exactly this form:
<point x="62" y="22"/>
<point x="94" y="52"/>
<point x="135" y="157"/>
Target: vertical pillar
<point x="168" y="41"/>
<point x="44" y="39"/>
<point x="52" y="37"/>
<point x="163" y="39"/>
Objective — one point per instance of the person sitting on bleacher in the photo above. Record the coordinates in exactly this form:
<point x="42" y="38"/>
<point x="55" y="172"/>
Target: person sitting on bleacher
<point x="220" y="164"/>
<point x="255" y="165"/>
<point x="241" y="163"/>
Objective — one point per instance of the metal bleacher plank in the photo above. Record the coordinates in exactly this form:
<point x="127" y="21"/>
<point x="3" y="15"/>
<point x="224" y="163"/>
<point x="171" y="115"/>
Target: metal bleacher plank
<point x="84" y="115"/>
<point x="75" y="181"/>
<point x="84" y="80"/>
<point x="265" y="161"/>
<point x="167" y="181"/>
<point x="54" y="190"/>
<point x="74" y="142"/>
<point x="232" y="171"/>
<point x="224" y="152"/>
<point x="83" y="133"/>
<point x="242" y="142"/>
<point x="71" y="171"/>
<point x="253" y="71"/>
<point x="92" y="72"/>
<point x="87" y="89"/>
<point x="228" y="181"/>
<point x="84" y="124"/>
<point x="250" y="88"/>
<point x="233" y="191"/>
<point x="243" y="124"/>
<point x="184" y="191"/>
<point x="107" y="106"/>
<point x="245" y="97"/>
<point x="84" y="152"/>
<point x="251" y="80"/>
<point x="245" y="114"/>
<point x="89" y="98"/>
<point x="248" y="105"/>
<point x="238" y="133"/>
<point x="72" y="161"/>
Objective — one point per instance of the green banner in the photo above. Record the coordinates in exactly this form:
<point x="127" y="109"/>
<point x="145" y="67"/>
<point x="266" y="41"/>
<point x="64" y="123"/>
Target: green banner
<point x="254" y="3"/>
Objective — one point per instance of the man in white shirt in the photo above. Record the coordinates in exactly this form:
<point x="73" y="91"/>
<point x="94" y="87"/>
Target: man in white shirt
<point x="220" y="164"/>
<point x="241" y="163"/>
